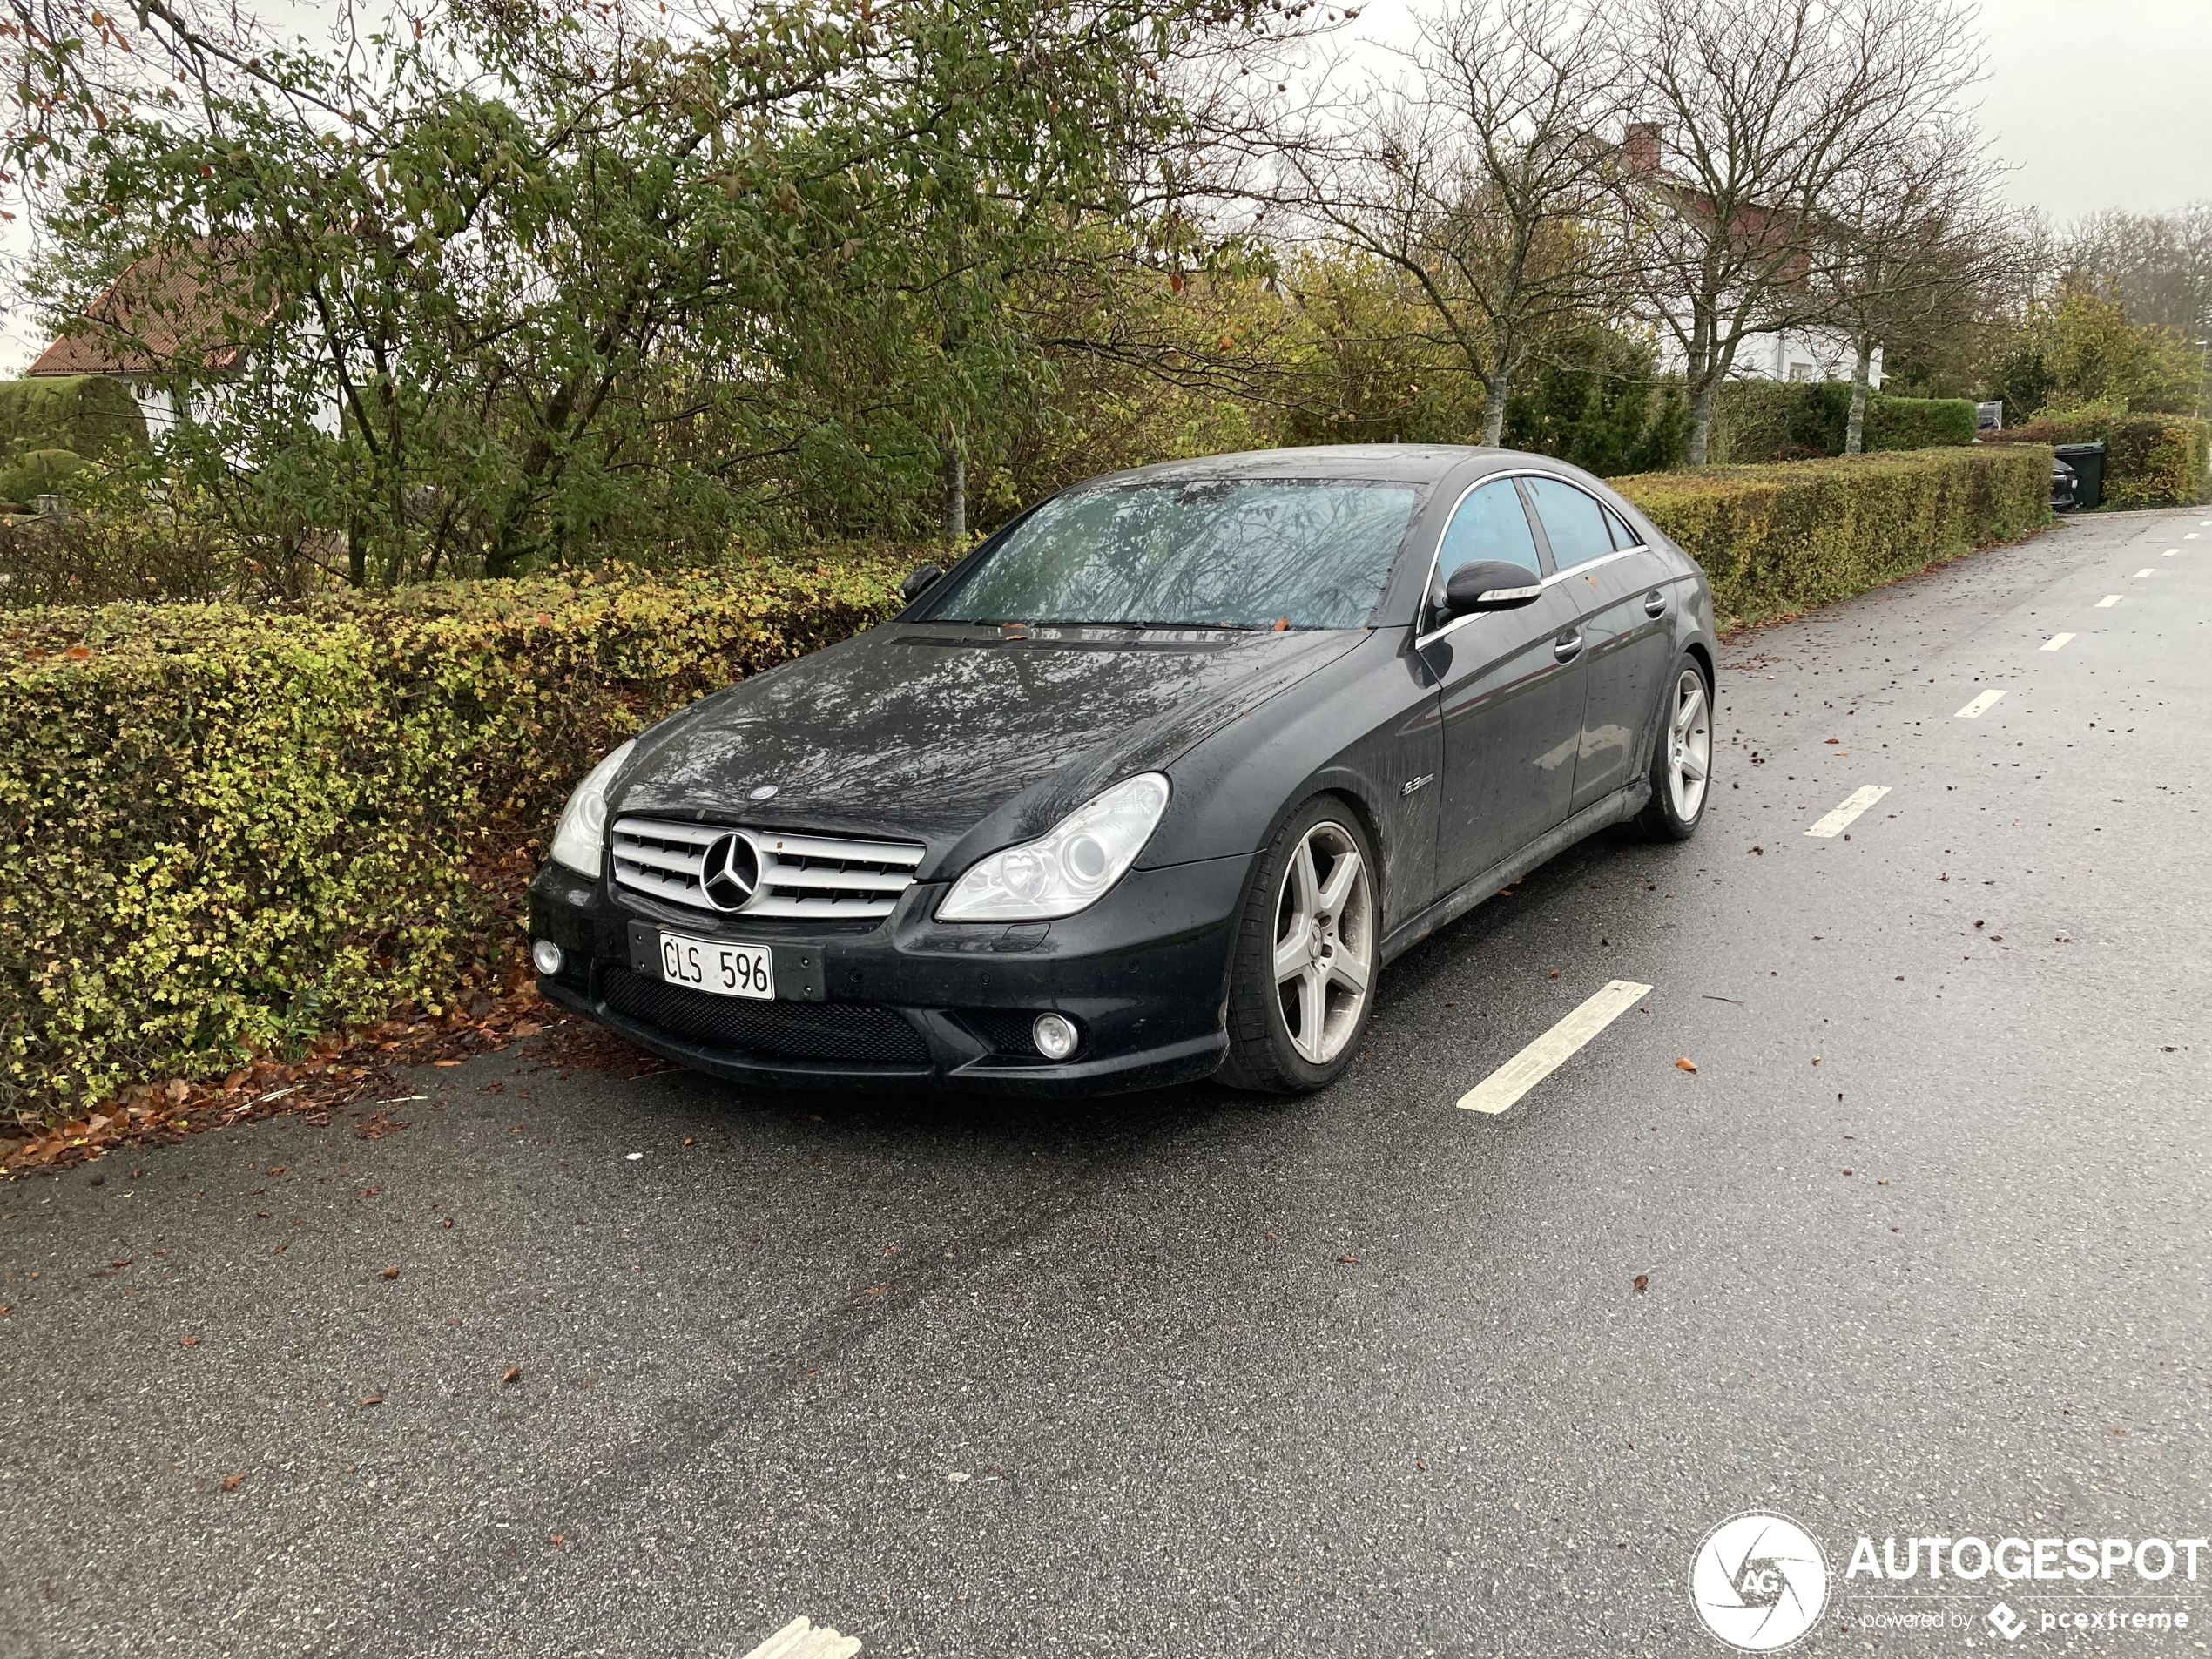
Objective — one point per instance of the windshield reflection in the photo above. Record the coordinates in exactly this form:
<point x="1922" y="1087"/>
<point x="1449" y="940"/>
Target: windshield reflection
<point x="1219" y="554"/>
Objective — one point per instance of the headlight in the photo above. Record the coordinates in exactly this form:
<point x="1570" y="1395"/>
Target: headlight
<point x="1071" y="867"/>
<point x="582" y="827"/>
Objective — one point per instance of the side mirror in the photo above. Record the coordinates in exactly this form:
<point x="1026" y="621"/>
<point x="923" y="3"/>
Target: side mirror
<point x="920" y="580"/>
<point x="1490" y="584"/>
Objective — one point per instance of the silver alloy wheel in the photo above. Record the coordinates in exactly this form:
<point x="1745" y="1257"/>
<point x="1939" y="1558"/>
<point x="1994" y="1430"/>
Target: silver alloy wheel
<point x="1690" y="745"/>
<point x="1325" y="942"/>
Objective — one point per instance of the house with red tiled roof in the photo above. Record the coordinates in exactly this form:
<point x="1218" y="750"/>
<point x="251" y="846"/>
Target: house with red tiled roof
<point x="178" y="327"/>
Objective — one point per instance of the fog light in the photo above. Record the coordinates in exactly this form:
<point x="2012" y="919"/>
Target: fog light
<point x="547" y="956"/>
<point x="1056" y="1035"/>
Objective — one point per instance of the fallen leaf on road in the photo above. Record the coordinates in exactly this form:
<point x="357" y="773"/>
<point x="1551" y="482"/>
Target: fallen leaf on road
<point x="1349" y="1259"/>
<point x="231" y="1482"/>
<point x="372" y="1400"/>
<point x="1685" y="1063"/>
<point x="690" y="1140"/>
<point x="442" y="1064"/>
<point x="1643" y="1282"/>
<point x="1846" y="1171"/>
<point x="188" y="1342"/>
<point x="389" y="1273"/>
<point x="557" y="1541"/>
<point x="512" y="1374"/>
<point x="1555" y="973"/>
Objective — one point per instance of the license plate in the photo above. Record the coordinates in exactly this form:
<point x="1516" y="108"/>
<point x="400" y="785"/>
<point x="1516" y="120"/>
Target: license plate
<point x="718" y="966"/>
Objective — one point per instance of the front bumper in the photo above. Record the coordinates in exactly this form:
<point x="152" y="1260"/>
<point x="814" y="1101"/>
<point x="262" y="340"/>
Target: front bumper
<point x="907" y="1002"/>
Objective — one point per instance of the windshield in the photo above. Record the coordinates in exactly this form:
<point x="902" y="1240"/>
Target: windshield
<point x="1223" y="554"/>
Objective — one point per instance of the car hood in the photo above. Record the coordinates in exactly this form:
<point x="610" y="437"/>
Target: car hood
<point x="947" y="733"/>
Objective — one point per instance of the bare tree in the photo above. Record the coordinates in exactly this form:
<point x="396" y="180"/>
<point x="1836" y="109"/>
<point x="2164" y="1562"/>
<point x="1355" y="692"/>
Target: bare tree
<point x="2157" y="264"/>
<point x="1914" y="241"/>
<point x="1485" y="183"/>
<point x="1756" y="114"/>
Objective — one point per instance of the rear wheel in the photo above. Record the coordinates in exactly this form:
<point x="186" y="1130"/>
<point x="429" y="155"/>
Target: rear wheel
<point x="1307" y="954"/>
<point x="1682" y="765"/>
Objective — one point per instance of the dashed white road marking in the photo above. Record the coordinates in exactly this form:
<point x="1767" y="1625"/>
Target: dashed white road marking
<point x="2190" y="535"/>
<point x="1980" y="705"/>
<point x="1552" y="1050"/>
<point x="2145" y="571"/>
<point x="2170" y="553"/>
<point x="2108" y="602"/>
<point x="803" y="1638"/>
<point x="1855" y="803"/>
<point x="2057" y="642"/>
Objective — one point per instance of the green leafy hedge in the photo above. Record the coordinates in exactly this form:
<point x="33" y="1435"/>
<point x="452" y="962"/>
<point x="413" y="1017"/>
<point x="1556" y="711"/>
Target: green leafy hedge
<point x="228" y="828"/>
<point x="86" y="414"/>
<point x="1760" y="421"/>
<point x="225" y="828"/>
<point x="2150" y="460"/>
<point x="1781" y="538"/>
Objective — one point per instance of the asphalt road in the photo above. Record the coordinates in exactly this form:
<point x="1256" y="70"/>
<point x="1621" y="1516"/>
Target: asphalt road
<point x="1923" y="1240"/>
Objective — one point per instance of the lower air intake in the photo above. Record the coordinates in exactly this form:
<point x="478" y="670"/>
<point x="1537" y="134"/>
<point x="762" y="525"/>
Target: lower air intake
<point x="860" y="1031"/>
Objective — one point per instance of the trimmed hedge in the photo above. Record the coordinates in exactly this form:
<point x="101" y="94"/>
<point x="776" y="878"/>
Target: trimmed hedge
<point x="1780" y="539"/>
<point x="1761" y="422"/>
<point x="1916" y="422"/>
<point x="225" y="829"/>
<point x="87" y="415"/>
<point x="2150" y="460"/>
<point x="230" y="829"/>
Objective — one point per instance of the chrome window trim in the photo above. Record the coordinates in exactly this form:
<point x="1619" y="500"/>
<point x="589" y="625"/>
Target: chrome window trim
<point x="1422" y="642"/>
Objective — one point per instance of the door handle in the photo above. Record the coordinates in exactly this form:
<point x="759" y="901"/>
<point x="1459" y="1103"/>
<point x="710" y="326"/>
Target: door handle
<point x="1654" y="604"/>
<point x="1567" y="649"/>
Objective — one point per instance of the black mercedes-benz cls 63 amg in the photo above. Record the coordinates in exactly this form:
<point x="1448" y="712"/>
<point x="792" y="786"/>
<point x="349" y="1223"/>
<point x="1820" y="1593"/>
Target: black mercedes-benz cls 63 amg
<point x="1148" y="786"/>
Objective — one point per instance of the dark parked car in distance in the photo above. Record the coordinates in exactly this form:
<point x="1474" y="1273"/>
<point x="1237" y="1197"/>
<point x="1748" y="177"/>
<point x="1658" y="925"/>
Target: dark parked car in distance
<point x="2062" y="483"/>
<point x="1149" y="787"/>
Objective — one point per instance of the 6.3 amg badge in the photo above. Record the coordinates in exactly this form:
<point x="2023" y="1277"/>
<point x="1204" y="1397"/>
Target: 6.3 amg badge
<point x="1758" y="1582"/>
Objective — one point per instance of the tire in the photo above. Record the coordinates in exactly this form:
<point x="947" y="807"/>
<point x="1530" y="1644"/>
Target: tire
<point x="1311" y="912"/>
<point x="1682" y="758"/>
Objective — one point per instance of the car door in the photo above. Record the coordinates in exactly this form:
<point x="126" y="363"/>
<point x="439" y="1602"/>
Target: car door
<point x="1609" y="586"/>
<point x="1510" y="695"/>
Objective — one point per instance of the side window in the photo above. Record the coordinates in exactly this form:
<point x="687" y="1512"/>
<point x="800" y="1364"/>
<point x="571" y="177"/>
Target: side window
<point x="1490" y="524"/>
<point x="1624" y="534"/>
<point x="1574" y="523"/>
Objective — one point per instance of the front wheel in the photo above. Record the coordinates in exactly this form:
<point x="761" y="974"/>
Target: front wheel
<point x="1307" y="955"/>
<point x="1682" y="765"/>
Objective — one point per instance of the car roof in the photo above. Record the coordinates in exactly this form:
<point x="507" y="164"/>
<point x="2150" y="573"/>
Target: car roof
<point x="1417" y="463"/>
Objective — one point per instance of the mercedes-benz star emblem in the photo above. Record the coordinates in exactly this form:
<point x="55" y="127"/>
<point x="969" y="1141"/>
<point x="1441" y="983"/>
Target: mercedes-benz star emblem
<point x="730" y="873"/>
<point x="765" y="791"/>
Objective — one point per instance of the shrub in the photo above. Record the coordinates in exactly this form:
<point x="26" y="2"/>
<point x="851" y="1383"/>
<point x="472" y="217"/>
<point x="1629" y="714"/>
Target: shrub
<point x="2150" y="460"/>
<point x="1767" y="420"/>
<point x="1779" y="539"/>
<point x="1918" y="422"/>
<point x="40" y="472"/>
<point x="229" y="828"/>
<point x="87" y="415"/>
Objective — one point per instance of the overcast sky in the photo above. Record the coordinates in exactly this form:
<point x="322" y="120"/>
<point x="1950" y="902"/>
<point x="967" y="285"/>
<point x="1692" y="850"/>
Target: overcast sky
<point x="2093" y="106"/>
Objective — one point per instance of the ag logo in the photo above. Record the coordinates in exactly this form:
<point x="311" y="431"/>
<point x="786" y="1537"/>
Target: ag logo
<point x="1758" y="1582"/>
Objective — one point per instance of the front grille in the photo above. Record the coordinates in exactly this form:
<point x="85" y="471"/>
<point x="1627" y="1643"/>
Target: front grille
<point x="773" y="1030"/>
<point x="821" y="876"/>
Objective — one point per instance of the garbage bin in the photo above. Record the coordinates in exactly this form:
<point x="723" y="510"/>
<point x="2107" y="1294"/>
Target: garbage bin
<point x="2087" y="461"/>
